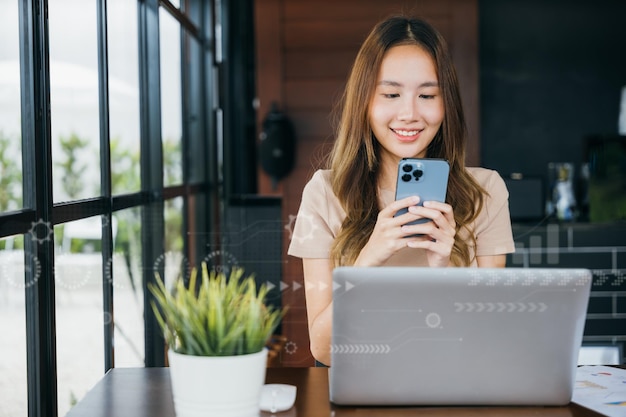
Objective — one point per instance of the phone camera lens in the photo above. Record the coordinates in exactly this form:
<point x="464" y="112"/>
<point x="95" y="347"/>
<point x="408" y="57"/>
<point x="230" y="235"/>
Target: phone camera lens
<point x="418" y="173"/>
<point x="407" y="168"/>
<point x="406" y="178"/>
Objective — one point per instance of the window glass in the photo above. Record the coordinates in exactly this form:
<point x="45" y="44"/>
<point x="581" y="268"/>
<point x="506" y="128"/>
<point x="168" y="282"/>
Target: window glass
<point x="171" y="107"/>
<point x="194" y="105"/>
<point x="74" y="99"/>
<point x="13" y="383"/>
<point x="193" y="10"/>
<point x="123" y="96"/>
<point x="79" y="309"/>
<point x="125" y="271"/>
<point x="175" y="262"/>
<point x="174" y="224"/>
<point x="10" y="113"/>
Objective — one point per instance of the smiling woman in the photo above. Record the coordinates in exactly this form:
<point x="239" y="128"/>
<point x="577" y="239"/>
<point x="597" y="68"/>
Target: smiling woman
<point x="401" y="100"/>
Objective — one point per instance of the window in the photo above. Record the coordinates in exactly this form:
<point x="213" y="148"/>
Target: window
<point x="74" y="101"/>
<point x="12" y="318"/>
<point x="78" y="309"/>
<point x="13" y="384"/>
<point x="123" y="96"/>
<point x="10" y="114"/>
<point x="171" y="98"/>
<point x="107" y="156"/>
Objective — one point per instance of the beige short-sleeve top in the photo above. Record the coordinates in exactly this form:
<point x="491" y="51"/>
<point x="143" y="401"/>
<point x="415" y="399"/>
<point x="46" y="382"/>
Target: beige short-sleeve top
<point x="320" y="217"/>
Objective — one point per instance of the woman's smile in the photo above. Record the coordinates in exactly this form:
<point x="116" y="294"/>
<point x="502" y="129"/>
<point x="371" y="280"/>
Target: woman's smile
<point x="407" y="135"/>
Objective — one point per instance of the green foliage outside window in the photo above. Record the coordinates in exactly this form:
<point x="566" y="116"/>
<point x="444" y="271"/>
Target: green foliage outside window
<point x="10" y="183"/>
<point x="10" y="174"/>
<point x="125" y="177"/>
<point x="73" y="168"/>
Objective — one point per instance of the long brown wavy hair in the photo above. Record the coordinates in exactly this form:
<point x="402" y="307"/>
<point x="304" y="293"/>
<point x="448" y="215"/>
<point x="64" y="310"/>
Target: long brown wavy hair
<point x="354" y="159"/>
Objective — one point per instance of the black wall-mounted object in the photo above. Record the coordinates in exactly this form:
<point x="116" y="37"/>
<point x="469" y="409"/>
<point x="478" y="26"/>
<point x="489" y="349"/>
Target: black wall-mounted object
<point x="277" y="149"/>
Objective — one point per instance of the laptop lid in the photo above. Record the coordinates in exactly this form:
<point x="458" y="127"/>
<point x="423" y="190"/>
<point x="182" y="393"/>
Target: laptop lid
<point x="456" y="336"/>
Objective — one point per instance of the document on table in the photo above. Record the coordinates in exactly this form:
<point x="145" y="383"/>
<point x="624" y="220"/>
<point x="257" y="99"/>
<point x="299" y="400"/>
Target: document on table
<point x="601" y="389"/>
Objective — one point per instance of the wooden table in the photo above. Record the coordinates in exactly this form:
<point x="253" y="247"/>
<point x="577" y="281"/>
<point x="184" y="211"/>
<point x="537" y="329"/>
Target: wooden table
<point x="139" y="392"/>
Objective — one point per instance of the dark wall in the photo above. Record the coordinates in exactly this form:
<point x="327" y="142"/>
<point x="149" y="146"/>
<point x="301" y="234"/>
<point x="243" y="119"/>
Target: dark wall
<point x="551" y="73"/>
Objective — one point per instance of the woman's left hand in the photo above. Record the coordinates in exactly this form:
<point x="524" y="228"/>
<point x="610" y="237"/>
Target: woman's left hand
<point x="437" y="236"/>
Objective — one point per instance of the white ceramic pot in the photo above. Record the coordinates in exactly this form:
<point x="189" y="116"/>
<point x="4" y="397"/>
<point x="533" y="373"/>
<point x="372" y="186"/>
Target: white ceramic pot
<point x="222" y="386"/>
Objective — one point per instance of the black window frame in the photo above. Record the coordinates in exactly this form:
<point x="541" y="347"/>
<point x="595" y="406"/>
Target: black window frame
<point x="200" y="188"/>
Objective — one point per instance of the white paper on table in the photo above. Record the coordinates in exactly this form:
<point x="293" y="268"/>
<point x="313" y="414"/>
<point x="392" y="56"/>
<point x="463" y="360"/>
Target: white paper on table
<point x="602" y="389"/>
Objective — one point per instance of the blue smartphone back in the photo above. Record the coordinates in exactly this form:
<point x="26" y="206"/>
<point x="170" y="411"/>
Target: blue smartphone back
<point x="426" y="178"/>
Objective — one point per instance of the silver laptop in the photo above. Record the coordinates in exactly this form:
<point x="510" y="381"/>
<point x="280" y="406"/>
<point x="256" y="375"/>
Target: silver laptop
<point x="456" y="336"/>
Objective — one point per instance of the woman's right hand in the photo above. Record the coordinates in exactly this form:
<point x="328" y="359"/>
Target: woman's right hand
<point x="388" y="237"/>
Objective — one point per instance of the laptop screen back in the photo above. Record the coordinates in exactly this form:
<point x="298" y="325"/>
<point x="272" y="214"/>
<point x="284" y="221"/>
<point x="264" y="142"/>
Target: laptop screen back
<point x="456" y="336"/>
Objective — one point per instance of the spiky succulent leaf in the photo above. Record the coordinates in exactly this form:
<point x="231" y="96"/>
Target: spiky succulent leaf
<point x="215" y="315"/>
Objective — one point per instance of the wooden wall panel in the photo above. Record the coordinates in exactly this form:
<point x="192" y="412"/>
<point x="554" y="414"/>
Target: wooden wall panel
<point x="373" y="10"/>
<point x="316" y="64"/>
<point x="325" y="35"/>
<point x="305" y="49"/>
<point x="312" y="94"/>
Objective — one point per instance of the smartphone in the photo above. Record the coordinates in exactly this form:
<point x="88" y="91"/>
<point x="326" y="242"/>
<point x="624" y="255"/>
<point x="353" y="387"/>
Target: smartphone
<point x="423" y="177"/>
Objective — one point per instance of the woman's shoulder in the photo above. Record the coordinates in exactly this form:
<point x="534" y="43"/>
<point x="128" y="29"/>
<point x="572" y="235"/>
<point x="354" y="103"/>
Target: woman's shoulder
<point x="319" y="179"/>
<point x="487" y="178"/>
<point x="321" y="175"/>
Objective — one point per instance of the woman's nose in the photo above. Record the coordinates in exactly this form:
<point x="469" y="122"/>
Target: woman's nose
<point x="407" y="110"/>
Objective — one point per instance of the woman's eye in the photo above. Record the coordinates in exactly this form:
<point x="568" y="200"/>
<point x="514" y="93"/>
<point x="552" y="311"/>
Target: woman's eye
<point x="391" y="95"/>
<point x="427" y="96"/>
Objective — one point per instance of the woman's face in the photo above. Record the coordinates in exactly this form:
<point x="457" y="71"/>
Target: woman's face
<point x="406" y="110"/>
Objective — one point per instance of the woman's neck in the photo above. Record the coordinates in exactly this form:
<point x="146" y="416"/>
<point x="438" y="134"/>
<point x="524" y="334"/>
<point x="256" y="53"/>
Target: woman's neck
<point x="388" y="174"/>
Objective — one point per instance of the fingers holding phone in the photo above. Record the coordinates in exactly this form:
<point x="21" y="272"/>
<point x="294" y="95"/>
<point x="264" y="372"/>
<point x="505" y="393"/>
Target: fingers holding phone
<point x="409" y="221"/>
<point x="387" y="237"/>
<point x="432" y="215"/>
<point x="432" y="226"/>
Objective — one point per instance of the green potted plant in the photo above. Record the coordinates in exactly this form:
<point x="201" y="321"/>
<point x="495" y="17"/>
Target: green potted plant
<point x="216" y="328"/>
